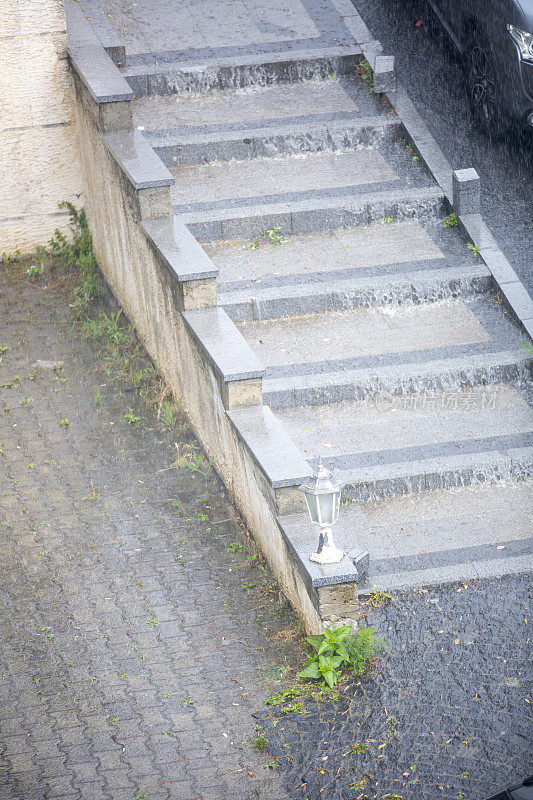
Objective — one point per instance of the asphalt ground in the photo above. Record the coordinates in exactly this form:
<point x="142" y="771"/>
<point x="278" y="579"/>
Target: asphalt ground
<point x="430" y="69"/>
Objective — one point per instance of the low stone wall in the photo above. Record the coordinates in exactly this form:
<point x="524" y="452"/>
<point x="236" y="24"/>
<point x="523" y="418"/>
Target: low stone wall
<point x="166" y="285"/>
<point x="39" y="153"/>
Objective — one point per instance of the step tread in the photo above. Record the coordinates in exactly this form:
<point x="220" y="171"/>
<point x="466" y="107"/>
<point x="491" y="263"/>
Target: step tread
<point x="316" y="255"/>
<point x="254" y="108"/>
<point x="305" y="343"/>
<point x="360" y="438"/>
<point x="219" y="185"/>
<point x="434" y="538"/>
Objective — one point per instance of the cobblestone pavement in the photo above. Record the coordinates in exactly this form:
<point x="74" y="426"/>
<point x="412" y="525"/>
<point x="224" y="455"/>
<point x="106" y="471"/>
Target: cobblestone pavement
<point x="130" y="656"/>
<point x="449" y="717"/>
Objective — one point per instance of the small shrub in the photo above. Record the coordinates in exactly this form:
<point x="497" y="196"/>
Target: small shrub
<point x="338" y="649"/>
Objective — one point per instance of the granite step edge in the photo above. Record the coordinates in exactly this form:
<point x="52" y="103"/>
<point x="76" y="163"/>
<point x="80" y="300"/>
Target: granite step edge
<point x="256" y="303"/>
<point x="385" y="383"/>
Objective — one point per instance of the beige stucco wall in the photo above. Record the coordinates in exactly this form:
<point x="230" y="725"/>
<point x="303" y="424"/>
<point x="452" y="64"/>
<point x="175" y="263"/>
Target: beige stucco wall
<point x="39" y="153"/>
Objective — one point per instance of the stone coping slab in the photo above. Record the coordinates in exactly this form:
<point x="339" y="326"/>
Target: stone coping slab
<point x="178" y="248"/>
<point x="137" y="160"/>
<point x="302" y="537"/>
<point x="228" y="352"/>
<point x="270" y="446"/>
<point x="91" y="62"/>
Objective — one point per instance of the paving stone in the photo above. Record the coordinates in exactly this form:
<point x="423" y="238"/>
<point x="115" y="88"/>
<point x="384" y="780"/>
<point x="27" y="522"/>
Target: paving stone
<point x="77" y="613"/>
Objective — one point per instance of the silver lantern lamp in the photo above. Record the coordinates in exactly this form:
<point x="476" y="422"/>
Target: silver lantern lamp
<point x="323" y="497"/>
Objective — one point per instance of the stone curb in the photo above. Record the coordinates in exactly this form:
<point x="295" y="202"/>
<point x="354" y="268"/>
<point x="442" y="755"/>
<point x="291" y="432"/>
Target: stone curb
<point x="507" y="281"/>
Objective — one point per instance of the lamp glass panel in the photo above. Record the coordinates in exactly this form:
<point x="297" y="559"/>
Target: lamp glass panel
<point x="336" y="506"/>
<point x="312" y="506"/>
<point x="325" y="504"/>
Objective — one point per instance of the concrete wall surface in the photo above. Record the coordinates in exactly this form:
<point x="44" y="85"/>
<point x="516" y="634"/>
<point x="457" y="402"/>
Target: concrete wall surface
<point x="39" y="152"/>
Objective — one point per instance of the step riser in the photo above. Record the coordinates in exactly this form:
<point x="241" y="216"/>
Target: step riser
<point x="326" y="217"/>
<point x="255" y="310"/>
<point x="451" y="479"/>
<point x="388" y="388"/>
<point x="268" y="144"/>
<point x="177" y="79"/>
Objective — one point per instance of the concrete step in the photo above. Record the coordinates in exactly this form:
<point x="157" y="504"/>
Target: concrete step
<point x="437" y="537"/>
<point x="369" y="337"/>
<point x="225" y="185"/>
<point x="418" y="442"/>
<point x="299" y="135"/>
<point x="460" y="368"/>
<point x="260" y="303"/>
<point x="161" y="76"/>
<point x="388" y="250"/>
<point x="297" y="215"/>
<point x="263" y="121"/>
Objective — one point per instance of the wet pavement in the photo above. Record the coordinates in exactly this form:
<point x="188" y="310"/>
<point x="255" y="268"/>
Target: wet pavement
<point x="448" y="717"/>
<point x="136" y="641"/>
<point x="431" y="71"/>
<point x="133" y="639"/>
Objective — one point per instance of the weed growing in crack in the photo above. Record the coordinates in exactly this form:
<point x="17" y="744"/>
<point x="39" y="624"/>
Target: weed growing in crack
<point x="366" y="73"/>
<point x="272" y="235"/>
<point x="451" y="220"/>
<point x="130" y="418"/>
<point x="338" y="650"/>
<point x="192" y="458"/>
<point x="259" y="743"/>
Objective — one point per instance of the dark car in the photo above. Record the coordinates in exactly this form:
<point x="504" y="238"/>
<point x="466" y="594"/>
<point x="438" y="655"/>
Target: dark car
<point x="495" y="39"/>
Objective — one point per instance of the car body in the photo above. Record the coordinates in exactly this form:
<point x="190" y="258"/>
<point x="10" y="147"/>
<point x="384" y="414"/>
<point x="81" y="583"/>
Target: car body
<point x="495" y="38"/>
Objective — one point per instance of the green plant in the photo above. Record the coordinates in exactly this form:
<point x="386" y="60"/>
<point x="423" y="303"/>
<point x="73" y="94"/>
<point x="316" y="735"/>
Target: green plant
<point x="366" y="74"/>
<point x="451" y="220"/>
<point x="387" y="220"/>
<point x="131" y="418"/>
<point x="64" y="423"/>
<point x="260" y="742"/>
<point x="3" y="348"/>
<point x="165" y="414"/>
<point x="10" y="258"/>
<point x="78" y="253"/>
<point x="273" y="235"/>
<point x="35" y="269"/>
<point x="195" y="461"/>
<point x="235" y="547"/>
<point x="26" y="401"/>
<point x="359" y="748"/>
<point x="379" y="598"/>
<point x="474" y="248"/>
<point x="338" y="648"/>
<point x="528" y="347"/>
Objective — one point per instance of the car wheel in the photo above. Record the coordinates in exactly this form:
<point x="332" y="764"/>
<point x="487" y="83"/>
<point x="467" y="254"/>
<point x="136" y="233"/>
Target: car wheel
<point x="484" y="93"/>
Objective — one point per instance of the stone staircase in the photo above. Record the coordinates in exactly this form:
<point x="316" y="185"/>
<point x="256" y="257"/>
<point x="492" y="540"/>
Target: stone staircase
<point x="388" y="356"/>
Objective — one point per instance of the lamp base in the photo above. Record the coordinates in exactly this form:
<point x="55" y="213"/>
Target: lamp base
<point x="328" y="555"/>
